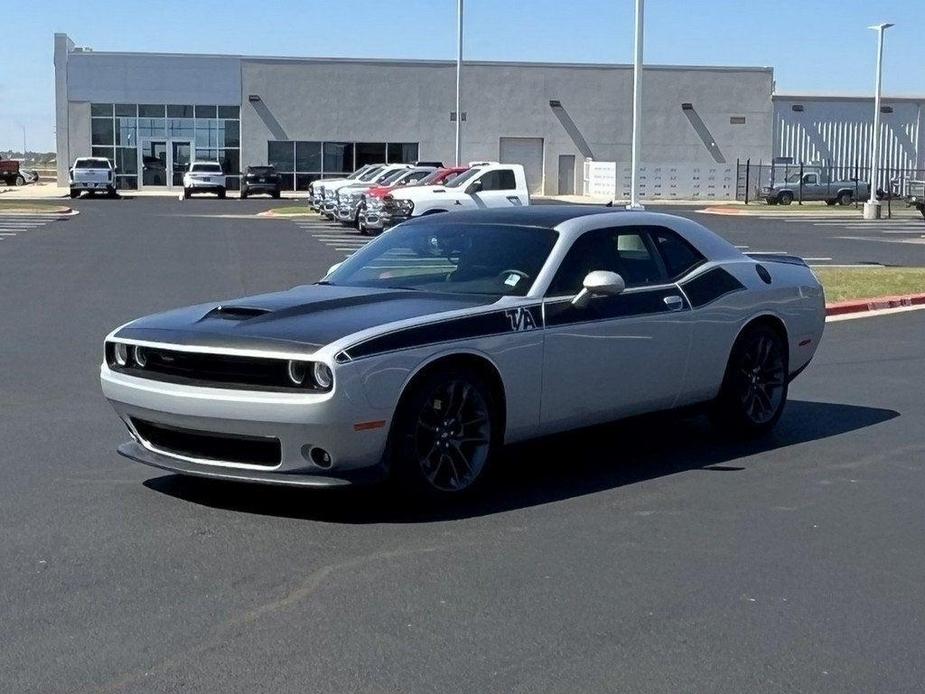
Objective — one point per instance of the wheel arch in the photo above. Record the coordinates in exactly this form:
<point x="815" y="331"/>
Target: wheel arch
<point x="769" y="319"/>
<point x="478" y="361"/>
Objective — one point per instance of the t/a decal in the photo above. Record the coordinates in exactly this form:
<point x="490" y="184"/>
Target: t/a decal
<point x="521" y="319"/>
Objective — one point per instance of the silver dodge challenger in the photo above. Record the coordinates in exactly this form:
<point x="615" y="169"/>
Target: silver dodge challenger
<point x="451" y="335"/>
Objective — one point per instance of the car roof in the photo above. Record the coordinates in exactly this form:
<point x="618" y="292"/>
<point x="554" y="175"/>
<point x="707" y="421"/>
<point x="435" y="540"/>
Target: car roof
<point x="547" y="216"/>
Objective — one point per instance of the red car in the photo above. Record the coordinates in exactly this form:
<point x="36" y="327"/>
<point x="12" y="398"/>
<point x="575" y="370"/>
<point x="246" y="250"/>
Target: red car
<point x="368" y="217"/>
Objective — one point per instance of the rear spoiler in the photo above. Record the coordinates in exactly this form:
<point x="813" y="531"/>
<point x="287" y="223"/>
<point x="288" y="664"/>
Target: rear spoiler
<point x="777" y="258"/>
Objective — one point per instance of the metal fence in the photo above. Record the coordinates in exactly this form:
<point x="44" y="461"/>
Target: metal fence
<point x="752" y="177"/>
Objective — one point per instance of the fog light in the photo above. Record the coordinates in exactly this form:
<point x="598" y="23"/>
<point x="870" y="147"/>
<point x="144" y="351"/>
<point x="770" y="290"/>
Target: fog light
<point x="323" y="376"/>
<point x="321" y="458"/>
<point x="120" y="352"/>
<point x="297" y="371"/>
<point x="140" y="354"/>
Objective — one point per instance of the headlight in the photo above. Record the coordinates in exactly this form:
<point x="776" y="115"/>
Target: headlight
<point x="120" y="353"/>
<point x="140" y="355"/>
<point x="309" y="374"/>
<point x="323" y="376"/>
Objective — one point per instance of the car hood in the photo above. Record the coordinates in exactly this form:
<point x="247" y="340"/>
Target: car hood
<point x="421" y="192"/>
<point x="302" y="319"/>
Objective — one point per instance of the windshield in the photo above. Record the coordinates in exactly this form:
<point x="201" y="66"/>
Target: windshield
<point x="206" y="168"/>
<point x="91" y="164"/>
<point x="370" y="174"/>
<point x="391" y="176"/>
<point x="261" y="170"/>
<point x="793" y="178"/>
<point x="491" y="259"/>
<point x="359" y="172"/>
<point x="462" y="178"/>
<point x="438" y="175"/>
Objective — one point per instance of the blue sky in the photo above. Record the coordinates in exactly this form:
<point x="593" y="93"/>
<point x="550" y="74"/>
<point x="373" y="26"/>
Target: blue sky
<point x="813" y="45"/>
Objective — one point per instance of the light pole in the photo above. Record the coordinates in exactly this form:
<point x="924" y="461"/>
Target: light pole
<point x="872" y="206"/>
<point x="637" y="109"/>
<point x="459" y="56"/>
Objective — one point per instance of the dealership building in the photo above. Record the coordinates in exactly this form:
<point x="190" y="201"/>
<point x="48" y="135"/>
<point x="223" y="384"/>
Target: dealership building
<point x="319" y="117"/>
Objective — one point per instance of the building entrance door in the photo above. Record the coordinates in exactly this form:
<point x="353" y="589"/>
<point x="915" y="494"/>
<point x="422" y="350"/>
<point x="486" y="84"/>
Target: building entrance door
<point x="154" y="164"/>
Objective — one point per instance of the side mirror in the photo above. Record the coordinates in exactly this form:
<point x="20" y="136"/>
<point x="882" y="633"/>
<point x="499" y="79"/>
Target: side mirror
<point x="598" y="283"/>
<point x="333" y="268"/>
<point x="474" y="188"/>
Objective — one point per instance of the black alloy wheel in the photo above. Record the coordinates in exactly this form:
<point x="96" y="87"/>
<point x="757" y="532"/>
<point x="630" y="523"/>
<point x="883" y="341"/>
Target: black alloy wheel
<point x="445" y="434"/>
<point x="754" y="389"/>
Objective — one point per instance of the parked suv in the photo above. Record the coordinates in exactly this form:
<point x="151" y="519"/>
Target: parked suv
<point x="483" y="185"/>
<point x="260" y="179"/>
<point x="204" y="177"/>
<point x="94" y="175"/>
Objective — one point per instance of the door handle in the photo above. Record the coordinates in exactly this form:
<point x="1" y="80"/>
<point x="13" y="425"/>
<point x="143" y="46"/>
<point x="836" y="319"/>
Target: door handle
<point x="674" y="302"/>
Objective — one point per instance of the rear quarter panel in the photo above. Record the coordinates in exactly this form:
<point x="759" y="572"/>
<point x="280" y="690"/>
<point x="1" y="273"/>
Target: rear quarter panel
<point x="794" y="296"/>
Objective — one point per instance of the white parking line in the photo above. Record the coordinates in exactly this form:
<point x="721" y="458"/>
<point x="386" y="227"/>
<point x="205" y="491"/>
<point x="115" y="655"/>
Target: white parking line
<point x="816" y="260"/>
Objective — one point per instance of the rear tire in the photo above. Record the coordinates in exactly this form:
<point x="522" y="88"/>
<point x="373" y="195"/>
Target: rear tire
<point x="445" y="434"/>
<point x="243" y="194"/>
<point x="845" y="198"/>
<point x="186" y="193"/>
<point x="754" y="390"/>
<point x="830" y="203"/>
<point x="221" y="193"/>
<point x="75" y="194"/>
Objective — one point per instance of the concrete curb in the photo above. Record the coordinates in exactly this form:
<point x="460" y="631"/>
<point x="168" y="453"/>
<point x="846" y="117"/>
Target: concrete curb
<point x="813" y="214"/>
<point x="63" y="211"/>
<point x="840" y="308"/>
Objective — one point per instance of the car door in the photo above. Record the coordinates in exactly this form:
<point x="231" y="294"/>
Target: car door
<point x="496" y="188"/>
<point x="618" y="355"/>
<point x="811" y="188"/>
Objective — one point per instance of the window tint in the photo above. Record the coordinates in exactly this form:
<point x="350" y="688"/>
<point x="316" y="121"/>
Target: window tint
<point x="499" y="179"/>
<point x="623" y="251"/>
<point x="680" y="257"/>
<point x="206" y="168"/>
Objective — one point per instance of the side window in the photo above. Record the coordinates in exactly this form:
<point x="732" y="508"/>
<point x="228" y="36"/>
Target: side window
<point x="622" y="250"/>
<point x="679" y="256"/>
<point x="499" y="179"/>
<point x="809" y="179"/>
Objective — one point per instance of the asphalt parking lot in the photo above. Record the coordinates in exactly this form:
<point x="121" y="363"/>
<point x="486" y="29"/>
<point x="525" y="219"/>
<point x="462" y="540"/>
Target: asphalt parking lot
<point x="643" y="556"/>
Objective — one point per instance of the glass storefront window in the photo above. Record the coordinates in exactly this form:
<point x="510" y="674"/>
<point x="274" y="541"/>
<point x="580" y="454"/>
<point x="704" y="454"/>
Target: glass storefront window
<point x="229" y="133"/>
<point x="206" y="154"/>
<point x="370" y="153"/>
<point x="127" y="110"/>
<point x="102" y="152"/>
<point x="281" y="155"/>
<point x="101" y="131"/>
<point x="180" y="128"/>
<point x="207" y="112"/>
<point x="179" y="111"/>
<point x="150" y="110"/>
<point x="206" y="133"/>
<point x="101" y="110"/>
<point x="302" y="180"/>
<point x="338" y="157"/>
<point x="150" y="127"/>
<point x="126" y="132"/>
<point x="127" y="160"/>
<point x="233" y="112"/>
<point x="230" y="160"/>
<point x="403" y="152"/>
<point x="127" y="182"/>
<point x="308" y="156"/>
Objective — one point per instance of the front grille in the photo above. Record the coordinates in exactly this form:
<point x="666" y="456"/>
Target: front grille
<point x="212" y="370"/>
<point x="228" y="448"/>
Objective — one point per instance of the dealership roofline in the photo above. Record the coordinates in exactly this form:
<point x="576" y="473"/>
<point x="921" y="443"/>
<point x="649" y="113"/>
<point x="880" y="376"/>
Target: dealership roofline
<point x="843" y="97"/>
<point x="82" y="50"/>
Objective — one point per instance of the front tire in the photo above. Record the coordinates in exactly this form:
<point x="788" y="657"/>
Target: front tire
<point x="75" y="194"/>
<point x="445" y="433"/>
<point x="186" y="193"/>
<point x="19" y="180"/>
<point x="754" y="390"/>
<point x="785" y="198"/>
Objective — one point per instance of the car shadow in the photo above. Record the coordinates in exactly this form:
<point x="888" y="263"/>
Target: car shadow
<point x="545" y="470"/>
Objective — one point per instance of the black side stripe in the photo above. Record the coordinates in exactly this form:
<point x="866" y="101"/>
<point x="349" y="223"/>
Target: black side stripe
<point x="621" y="306"/>
<point x="495" y="323"/>
<point x="710" y="286"/>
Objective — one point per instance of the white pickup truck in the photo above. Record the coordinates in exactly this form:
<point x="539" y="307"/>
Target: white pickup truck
<point x="94" y="175"/>
<point x="484" y="185"/>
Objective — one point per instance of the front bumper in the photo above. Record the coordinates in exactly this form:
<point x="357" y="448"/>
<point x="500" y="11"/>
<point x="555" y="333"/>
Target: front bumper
<point x="371" y="218"/>
<point x="347" y="213"/>
<point x="299" y="421"/>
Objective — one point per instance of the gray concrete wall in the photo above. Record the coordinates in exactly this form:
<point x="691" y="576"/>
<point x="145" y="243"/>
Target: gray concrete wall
<point x="411" y="102"/>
